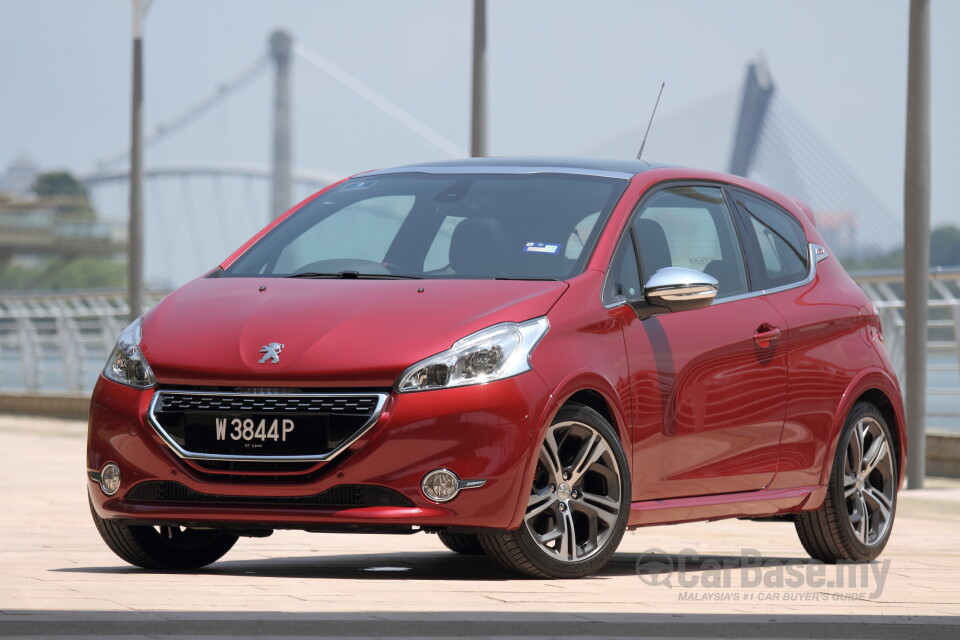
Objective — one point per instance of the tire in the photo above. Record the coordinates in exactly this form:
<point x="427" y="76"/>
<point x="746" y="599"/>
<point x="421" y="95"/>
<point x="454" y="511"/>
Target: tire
<point x="856" y="518"/>
<point x="163" y="547"/>
<point x="578" y="505"/>
<point x="467" y="544"/>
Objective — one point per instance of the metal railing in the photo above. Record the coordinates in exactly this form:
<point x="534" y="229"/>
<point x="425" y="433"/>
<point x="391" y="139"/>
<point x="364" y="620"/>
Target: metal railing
<point x="52" y="343"/>
<point x="885" y="289"/>
<point x="59" y="343"/>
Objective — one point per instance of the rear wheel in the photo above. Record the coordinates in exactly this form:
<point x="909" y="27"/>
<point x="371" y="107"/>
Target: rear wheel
<point x="854" y="523"/>
<point x="163" y="547"/>
<point x="467" y="544"/>
<point x="578" y="505"/>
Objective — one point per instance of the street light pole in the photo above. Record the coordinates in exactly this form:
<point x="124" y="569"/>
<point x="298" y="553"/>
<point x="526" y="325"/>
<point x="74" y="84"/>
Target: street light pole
<point x="135" y="240"/>
<point x="916" y="241"/>
<point x="478" y="127"/>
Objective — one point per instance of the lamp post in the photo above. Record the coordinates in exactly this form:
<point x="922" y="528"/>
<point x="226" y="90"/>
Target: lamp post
<point x="478" y="126"/>
<point x="916" y="240"/>
<point x="135" y="239"/>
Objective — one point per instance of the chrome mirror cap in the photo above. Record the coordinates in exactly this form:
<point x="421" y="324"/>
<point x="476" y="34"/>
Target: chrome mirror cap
<point x="680" y="289"/>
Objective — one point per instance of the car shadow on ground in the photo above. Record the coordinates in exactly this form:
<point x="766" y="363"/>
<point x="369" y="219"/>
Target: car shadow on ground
<point x="444" y="565"/>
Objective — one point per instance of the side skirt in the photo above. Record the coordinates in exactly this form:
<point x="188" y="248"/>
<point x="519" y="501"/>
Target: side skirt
<point x="750" y="504"/>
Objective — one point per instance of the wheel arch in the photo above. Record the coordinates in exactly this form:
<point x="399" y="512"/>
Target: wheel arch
<point x="882" y="391"/>
<point x="596" y="401"/>
<point x="882" y="402"/>
<point x="591" y="390"/>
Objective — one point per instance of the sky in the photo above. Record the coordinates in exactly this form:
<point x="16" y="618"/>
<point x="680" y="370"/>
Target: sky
<point x="563" y="76"/>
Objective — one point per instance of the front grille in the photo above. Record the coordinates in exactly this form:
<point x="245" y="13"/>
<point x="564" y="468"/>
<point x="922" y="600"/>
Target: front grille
<point x="352" y="405"/>
<point x="262" y="427"/>
<point x="344" y="495"/>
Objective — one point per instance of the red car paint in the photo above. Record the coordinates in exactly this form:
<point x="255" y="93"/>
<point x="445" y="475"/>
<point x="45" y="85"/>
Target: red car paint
<point x="730" y="410"/>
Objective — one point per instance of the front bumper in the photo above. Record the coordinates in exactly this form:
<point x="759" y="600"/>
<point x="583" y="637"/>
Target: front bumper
<point x="487" y="432"/>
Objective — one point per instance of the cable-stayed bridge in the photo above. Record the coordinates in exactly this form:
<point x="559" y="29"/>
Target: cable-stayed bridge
<point x="754" y="131"/>
<point x="198" y="212"/>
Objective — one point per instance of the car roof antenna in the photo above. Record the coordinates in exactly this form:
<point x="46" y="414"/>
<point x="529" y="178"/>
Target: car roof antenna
<point x="642" y="144"/>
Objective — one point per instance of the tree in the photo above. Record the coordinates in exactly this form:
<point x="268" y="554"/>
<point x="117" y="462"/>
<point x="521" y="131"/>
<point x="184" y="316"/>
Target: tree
<point x="945" y="247"/>
<point x="58" y="183"/>
<point x="944" y="252"/>
<point x="65" y="193"/>
<point x="89" y="272"/>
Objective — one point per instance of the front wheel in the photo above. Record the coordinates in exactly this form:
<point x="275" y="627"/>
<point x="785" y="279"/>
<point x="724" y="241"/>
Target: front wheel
<point x="467" y="544"/>
<point x="163" y="547"/>
<point x="854" y="523"/>
<point x="578" y="505"/>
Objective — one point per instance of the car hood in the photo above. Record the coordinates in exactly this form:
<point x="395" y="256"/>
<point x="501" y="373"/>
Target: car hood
<point x="345" y="333"/>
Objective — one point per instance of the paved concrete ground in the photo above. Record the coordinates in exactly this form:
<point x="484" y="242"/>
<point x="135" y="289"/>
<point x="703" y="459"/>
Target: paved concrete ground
<point x="58" y="579"/>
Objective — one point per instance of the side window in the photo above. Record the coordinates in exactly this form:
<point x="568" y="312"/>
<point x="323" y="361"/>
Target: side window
<point x="623" y="279"/>
<point x="780" y="239"/>
<point x="691" y="227"/>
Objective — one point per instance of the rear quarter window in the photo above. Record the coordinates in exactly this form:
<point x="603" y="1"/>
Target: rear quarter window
<point x="781" y="254"/>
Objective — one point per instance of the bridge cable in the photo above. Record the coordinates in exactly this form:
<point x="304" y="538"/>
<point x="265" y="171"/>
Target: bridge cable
<point x="836" y="182"/>
<point x="186" y="116"/>
<point x="397" y="113"/>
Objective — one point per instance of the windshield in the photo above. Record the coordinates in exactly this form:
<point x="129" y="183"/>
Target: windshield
<point x="416" y="225"/>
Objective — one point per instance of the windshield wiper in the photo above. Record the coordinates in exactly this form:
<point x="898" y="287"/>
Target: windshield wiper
<point x="528" y="279"/>
<point x="352" y="275"/>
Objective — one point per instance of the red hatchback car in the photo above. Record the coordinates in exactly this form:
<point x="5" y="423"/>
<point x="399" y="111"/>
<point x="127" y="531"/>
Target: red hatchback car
<point x="524" y="356"/>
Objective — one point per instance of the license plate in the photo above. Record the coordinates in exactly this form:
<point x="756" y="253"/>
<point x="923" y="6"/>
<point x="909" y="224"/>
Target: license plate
<point x="255" y="434"/>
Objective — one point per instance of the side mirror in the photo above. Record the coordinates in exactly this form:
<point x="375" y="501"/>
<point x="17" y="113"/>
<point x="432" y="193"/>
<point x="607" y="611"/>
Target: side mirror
<point x="680" y="289"/>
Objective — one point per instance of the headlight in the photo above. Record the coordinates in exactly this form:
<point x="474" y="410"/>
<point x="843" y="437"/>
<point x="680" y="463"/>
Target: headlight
<point x="126" y="364"/>
<point x="494" y="353"/>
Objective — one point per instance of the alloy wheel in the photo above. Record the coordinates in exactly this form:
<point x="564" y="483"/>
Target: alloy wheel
<point x="575" y="500"/>
<point x="868" y="481"/>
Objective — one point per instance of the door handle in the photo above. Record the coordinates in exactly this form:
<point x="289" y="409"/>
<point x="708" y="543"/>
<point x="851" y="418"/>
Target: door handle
<point x="766" y="335"/>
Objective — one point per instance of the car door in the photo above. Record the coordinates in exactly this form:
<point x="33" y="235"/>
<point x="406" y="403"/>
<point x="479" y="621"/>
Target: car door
<point x="825" y="331"/>
<point x="709" y="385"/>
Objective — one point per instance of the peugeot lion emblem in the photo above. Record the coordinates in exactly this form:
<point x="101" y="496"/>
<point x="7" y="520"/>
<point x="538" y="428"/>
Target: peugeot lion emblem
<point x="271" y="352"/>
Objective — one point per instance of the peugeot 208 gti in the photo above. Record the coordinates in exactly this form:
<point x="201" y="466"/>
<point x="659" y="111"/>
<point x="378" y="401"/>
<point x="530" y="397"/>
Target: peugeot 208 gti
<point x="524" y="356"/>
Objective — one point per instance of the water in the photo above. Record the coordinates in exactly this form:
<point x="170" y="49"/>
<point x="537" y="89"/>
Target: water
<point x="943" y="410"/>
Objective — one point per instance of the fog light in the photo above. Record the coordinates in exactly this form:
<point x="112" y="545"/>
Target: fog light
<point x="110" y="478"/>
<point x="440" y="485"/>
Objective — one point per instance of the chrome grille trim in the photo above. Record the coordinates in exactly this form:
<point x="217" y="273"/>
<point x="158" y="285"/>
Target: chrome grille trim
<point x="333" y="403"/>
